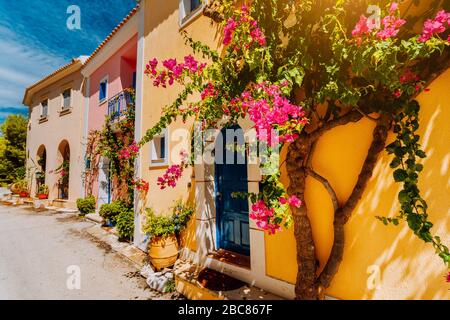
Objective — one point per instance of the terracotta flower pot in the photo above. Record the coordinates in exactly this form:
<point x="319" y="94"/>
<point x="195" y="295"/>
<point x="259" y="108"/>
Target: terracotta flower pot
<point x="163" y="251"/>
<point x="42" y="196"/>
<point x="23" y="194"/>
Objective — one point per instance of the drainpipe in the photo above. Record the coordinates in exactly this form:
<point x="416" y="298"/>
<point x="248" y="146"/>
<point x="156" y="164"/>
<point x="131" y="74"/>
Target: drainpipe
<point x="85" y="132"/>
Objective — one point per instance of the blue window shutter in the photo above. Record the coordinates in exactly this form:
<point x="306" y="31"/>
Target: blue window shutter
<point x="163" y="147"/>
<point x="102" y="94"/>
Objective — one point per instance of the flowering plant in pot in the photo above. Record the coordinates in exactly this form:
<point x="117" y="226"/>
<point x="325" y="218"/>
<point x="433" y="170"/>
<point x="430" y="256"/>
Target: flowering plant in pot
<point x="22" y="187"/>
<point x="43" y="191"/>
<point x="163" y="232"/>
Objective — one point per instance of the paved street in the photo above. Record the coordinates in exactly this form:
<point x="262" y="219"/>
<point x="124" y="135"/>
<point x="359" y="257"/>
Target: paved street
<point x="36" y="250"/>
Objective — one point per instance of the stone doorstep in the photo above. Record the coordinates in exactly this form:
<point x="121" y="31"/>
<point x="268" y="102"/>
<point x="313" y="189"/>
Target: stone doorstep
<point x="95" y="217"/>
<point x="186" y="275"/>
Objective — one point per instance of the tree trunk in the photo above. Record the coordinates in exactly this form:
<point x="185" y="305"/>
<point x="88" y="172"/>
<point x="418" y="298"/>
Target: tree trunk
<point x="306" y="287"/>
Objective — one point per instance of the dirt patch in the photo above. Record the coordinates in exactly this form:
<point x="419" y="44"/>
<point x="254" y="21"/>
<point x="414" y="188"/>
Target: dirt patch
<point x="217" y="281"/>
<point x="85" y="235"/>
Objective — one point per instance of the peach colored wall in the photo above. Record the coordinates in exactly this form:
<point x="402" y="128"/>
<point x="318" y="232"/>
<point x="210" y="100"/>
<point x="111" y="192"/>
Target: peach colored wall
<point x="58" y="128"/>
<point x="120" y="77"/>
<point x="163" y="40"/>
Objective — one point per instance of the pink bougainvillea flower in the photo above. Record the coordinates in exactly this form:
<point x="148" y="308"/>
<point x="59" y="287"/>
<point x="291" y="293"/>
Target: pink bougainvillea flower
<point x="258" y="36"/>
<point x="129" y="151"/>
<point x="246" y="24"/>
<point x="393" y="7"/>
<point x="409" y="76"/>
<point x="262" y="214"/>
<point x="174" y="71"/>
<point x="208" y="91"/>
<point x="141" y="185"/>
<point x="361" y="27"/>
<point x="391" y="26"/>
<point x="397" y="93"/>
<point x="447" y="278"/>
<point x="173" y="173"/>
<point x="294" y="201"/>
<point x="435" y="26"/>
<point x="228" y="31"/>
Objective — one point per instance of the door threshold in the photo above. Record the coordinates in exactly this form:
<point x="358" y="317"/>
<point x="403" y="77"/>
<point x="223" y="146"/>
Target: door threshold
<point x="230" y="257"/>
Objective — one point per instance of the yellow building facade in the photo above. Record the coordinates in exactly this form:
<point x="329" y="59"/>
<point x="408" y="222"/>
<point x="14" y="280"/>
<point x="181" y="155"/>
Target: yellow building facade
<point x="379" y="262"/>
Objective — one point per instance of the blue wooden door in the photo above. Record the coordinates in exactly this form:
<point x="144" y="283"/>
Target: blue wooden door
<point x="232" y="213"/>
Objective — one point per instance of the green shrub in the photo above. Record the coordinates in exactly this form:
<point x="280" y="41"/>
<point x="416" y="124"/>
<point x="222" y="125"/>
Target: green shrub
<point x="162" y="226"/>
<point x="86" y="205"/>
<point x="110" y="211"/>
<point x="158" y="226"/>
<point x="43" y="189"/>
<point x="125" y="224"/>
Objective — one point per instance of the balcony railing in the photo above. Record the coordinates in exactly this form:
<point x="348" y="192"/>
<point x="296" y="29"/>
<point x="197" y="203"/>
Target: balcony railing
<point x="118" y="104"/>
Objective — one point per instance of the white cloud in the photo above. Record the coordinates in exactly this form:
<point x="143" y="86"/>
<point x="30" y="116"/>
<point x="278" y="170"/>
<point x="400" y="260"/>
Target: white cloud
<point x="20" y="66"/>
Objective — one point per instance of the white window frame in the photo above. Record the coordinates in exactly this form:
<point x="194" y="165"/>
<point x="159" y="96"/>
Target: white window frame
<point x="63" y="107"/>
<point x="42" y="116"/>
<point x="160" y="161"/>
<point x="186" y="15"/>
<point x="104" y="79"/>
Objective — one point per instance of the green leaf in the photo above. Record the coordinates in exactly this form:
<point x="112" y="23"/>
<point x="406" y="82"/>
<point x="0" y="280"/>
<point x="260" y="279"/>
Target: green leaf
<point x="403" y="196"/>
<point x="400" y="175"/>
<point x="395" y="163"/>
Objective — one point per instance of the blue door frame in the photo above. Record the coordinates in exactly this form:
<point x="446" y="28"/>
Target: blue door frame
<point x="233" y="232"/>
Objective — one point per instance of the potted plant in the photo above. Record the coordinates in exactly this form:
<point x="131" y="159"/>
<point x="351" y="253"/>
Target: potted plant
<point x="22" y="187"/>
<point x="43" y="191"/>
<point x="163" y="232"/>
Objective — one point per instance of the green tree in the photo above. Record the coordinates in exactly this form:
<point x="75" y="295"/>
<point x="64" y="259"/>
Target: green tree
<point x="12" y="150"/>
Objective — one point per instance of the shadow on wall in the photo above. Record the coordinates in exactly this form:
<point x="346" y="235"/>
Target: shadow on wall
<point x="380" y="262"/>
<point x="390" y="262"/>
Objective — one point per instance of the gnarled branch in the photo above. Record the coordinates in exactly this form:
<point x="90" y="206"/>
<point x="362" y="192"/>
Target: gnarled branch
<point x="343" y="214"/>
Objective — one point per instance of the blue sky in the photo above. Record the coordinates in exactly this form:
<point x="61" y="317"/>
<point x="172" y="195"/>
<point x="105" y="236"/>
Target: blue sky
<point x="34" y="40"/>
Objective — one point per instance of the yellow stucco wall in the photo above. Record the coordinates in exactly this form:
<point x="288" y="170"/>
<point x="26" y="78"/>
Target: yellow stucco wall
<point x="406" y="267"/>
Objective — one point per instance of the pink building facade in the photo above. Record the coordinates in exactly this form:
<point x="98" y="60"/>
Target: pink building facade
<point x="110" y="72"/>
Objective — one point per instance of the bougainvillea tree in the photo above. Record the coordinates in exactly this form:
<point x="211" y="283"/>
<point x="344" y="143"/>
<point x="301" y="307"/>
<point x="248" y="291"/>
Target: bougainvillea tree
<point x="302" y="68"/>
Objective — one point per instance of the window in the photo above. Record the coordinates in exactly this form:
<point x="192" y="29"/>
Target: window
<point x="189" y="9"/>
<point x="195" y="4"/>
<point x="103" y="89"/>
<point x="44" y="108"/>
<point x="88" y="163"/>
<point x="66" y="98"/>
<point x="159" y="149"/>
